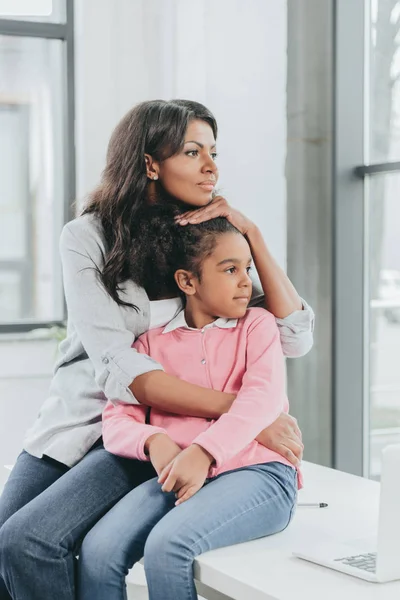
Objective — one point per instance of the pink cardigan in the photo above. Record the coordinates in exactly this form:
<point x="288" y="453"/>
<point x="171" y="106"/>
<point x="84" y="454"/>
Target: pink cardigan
<point x="239" y="356"/>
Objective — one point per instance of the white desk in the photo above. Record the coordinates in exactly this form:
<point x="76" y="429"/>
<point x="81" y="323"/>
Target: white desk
<point x="266" y="570"/>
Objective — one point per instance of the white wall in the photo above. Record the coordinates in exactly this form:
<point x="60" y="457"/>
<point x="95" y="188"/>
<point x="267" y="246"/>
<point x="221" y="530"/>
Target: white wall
<point x="228" y="54"/>
<point x="26" y="367"/>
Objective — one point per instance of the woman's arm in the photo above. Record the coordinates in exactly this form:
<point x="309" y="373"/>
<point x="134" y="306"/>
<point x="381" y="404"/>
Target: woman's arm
<point x="276" y="293"/>
<point x="171" y="394"/>
<point x="281" y="298"/>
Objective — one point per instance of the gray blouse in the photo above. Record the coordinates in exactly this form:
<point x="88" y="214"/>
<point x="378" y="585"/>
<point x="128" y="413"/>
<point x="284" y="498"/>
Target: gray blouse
<point x="96" y="361"/>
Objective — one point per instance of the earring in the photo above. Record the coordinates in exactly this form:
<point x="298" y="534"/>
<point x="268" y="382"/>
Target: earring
<point x="155" y="177"/>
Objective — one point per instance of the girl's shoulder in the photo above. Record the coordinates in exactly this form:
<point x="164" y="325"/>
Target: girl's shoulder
<point x="257" y="318"/>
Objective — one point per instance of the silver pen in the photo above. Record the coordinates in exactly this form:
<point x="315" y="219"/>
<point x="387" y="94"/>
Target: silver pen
<point x="313" y="504"/>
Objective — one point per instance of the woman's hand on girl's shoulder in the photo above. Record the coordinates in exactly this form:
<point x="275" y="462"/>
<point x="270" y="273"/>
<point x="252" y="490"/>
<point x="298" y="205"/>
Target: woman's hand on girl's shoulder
<point x="218" y="207"/>
<point x="186" y="473"/>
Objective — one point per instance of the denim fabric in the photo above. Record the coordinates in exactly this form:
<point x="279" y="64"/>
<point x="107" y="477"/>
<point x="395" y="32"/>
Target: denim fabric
<point x="29" y="478"/>
<point x="236" y="506"/>
<point x="47" y="508"/>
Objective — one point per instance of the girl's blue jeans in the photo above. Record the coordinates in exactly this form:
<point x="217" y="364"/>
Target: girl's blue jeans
<point x="237" y="506"/>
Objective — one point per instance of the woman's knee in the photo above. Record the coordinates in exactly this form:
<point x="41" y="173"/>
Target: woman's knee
<point x="14" y="539"/>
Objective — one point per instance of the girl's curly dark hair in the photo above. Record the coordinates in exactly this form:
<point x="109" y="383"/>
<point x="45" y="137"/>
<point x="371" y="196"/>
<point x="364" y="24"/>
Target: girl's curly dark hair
<point x="158" y="128"/>
<point x="163" y="246"/>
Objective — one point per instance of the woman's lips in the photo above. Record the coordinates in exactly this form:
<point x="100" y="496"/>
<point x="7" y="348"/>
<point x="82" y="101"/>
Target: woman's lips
<point x="207" y="185"/>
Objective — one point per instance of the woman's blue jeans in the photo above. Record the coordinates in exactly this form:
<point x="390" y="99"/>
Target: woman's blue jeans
<point x="237" y="506"/>
<point x="45" y="511"/>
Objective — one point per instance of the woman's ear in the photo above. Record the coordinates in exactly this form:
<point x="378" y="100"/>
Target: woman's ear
<point x="151" y="167"/>
<point x="185" y="281"/>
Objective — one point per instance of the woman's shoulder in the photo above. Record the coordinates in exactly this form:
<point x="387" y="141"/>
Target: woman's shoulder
<point x="87" y="223"/>
<point x="85" y="231"/>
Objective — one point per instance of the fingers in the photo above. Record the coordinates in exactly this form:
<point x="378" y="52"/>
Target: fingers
<point x="198" y="217"/>
<point x="186" y="495"/>
<point x="165" y="474"/>
<point x="288" y="454"/>
<point x="294" y="426"/>
<point x="216" y="208"/>
<point x="292" y="451"/>
<point x="169" y="484"/>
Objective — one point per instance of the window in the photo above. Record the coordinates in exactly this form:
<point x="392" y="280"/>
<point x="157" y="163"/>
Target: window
<point x="36" y="160"/>
<point x="367" y="209"/>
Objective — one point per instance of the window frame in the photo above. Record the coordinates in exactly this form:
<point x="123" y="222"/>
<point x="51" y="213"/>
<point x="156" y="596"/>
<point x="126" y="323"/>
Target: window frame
<point x="65" y="33"/>
<point x="352" y="173"/>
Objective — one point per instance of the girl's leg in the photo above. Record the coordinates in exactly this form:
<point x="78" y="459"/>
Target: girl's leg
<point x="38" y="543"/>
<point x="117" y="541"/>
<point x="29" y="478"/>
<point x="237" y="506"/>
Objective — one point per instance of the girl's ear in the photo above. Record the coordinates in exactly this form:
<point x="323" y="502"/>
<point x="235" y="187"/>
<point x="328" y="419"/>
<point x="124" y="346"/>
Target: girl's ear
<point x="185" y="281"/>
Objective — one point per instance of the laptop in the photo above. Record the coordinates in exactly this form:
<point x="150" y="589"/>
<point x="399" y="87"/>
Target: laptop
<point x="377" y="561"/>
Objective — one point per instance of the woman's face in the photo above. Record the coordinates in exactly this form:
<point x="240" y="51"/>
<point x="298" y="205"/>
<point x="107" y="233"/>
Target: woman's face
<point x="191" y="175"/>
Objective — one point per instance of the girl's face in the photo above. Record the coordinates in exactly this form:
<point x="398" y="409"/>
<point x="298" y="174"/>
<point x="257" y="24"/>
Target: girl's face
<point x="191" y="175"/>
<point x="225" y="286"/>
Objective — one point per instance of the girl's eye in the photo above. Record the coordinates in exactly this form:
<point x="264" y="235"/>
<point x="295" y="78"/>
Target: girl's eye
<point x="249" y="269"/>
<point x="230" y="270"/>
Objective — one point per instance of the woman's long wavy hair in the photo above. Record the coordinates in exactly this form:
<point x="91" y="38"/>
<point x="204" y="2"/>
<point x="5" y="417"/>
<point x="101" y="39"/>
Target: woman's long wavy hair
<point x="156" y="128"/>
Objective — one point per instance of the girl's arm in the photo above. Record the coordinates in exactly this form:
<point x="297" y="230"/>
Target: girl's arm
<point x="261" y="398"/>
<point x="125" y="431"/>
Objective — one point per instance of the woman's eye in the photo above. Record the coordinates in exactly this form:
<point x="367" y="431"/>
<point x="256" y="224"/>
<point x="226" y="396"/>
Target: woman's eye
<point x="230" y="270"/>
<point x="192" y="153"/>
<point x="249" y="269"/>
<point x="214" y="155"/>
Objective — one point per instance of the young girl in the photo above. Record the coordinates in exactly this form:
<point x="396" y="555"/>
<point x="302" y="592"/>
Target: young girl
<point x="64" y="481"/>
<point x="216" y="485"/>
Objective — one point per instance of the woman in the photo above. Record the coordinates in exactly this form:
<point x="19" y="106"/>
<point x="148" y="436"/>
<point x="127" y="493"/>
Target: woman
<point x="64" y="481"/>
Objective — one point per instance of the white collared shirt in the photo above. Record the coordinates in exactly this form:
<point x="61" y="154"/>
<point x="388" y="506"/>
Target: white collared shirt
<point x="180" y="321"/>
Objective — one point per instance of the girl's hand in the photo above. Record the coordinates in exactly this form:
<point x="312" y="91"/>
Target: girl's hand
<point x="218" y="207"/>
<point x="162" y="450"/>
<point x="186" y="474"/>
<point x="284" y="437"/>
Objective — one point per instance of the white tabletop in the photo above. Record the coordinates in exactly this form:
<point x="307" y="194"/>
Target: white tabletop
<point x="266" y="570"/>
